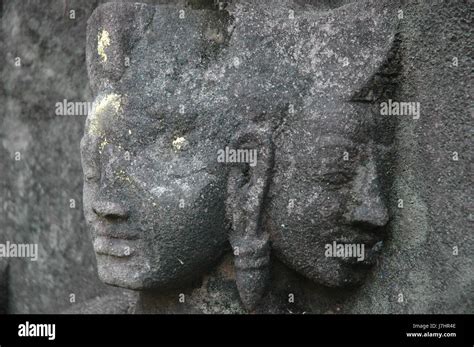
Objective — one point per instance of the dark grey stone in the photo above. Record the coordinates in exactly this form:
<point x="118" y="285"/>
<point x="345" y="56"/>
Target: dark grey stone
<point x="257" y="78"/>
<point x="244" y="102"/>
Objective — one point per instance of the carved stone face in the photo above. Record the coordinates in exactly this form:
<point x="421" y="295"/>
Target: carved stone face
<point x="153" y="201"/>
<point x="154" y="194"/>
<point x="326" y="189"/>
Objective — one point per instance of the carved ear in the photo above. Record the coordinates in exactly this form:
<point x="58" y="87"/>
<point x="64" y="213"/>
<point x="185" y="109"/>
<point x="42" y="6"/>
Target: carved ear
<point x="112" y="31"/>
<point x="247" y="189"/>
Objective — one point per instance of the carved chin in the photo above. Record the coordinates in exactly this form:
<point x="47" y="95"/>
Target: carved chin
<point x="333" y="273"/>
<point x="118" y="272"/>
<point x="135" y="273"/>
<point x="345" y="276"/>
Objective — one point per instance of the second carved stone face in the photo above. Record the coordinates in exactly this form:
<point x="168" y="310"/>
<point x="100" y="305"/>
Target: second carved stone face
<point x="327" y="194"/>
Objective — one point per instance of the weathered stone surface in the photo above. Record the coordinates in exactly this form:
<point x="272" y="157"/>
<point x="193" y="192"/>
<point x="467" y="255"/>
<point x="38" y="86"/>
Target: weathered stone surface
<point x="233" y="79"/>
<point x="417" y="260"/>
<point x="36" y="190"/>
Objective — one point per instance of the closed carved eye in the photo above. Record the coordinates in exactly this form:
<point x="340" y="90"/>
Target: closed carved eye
<point x="336" y="177"/>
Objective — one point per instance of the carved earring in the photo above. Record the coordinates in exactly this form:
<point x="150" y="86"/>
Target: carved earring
<point x="252" y="265"/>
<point x="247" y="190"/>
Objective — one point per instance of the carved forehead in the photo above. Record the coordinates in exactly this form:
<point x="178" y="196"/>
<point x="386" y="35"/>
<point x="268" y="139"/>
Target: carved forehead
<point x="189" y="70"/>
<point x="259" y="54"/>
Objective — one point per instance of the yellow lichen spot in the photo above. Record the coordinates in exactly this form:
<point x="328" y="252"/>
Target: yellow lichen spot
<point x="179" y="143"/>
<point x="122" y="175"/>
<point x="103" y="144"/>
<point x="108" y="103"/>
<point x="103" y="41"/>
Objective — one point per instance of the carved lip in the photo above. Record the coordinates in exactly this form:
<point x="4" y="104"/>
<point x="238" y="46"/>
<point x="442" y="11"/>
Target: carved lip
<point x="368" y="240"/>
<point x="114" y="247"/>
<point x="103" y="231"/>
<point x="372" y="248"/>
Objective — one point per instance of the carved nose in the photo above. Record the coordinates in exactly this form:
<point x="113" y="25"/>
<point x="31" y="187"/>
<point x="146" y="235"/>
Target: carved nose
<point x="369" y="210"/>
<point x="371" y="213"/>
<point x="108" y="209"/>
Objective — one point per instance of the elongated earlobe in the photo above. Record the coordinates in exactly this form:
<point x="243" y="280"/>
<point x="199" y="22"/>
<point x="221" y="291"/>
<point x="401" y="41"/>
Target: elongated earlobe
<point x="247" y="190"/>
<point x="252" y="264"/>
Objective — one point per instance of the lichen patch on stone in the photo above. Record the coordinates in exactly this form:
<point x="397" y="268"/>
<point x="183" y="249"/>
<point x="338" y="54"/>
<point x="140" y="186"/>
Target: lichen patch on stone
<point x="103" y="144"/>
<point x="108" y="103"/>
<point x="122" y="175"/>
<point x="179" y="143"/>
<point x="103" y="41"/>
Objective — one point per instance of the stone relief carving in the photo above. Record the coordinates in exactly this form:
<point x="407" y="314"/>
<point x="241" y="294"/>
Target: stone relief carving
<point x="174" y="88"/>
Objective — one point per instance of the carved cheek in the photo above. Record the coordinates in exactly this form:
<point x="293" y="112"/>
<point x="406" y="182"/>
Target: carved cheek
<point x="331" y="207"/>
